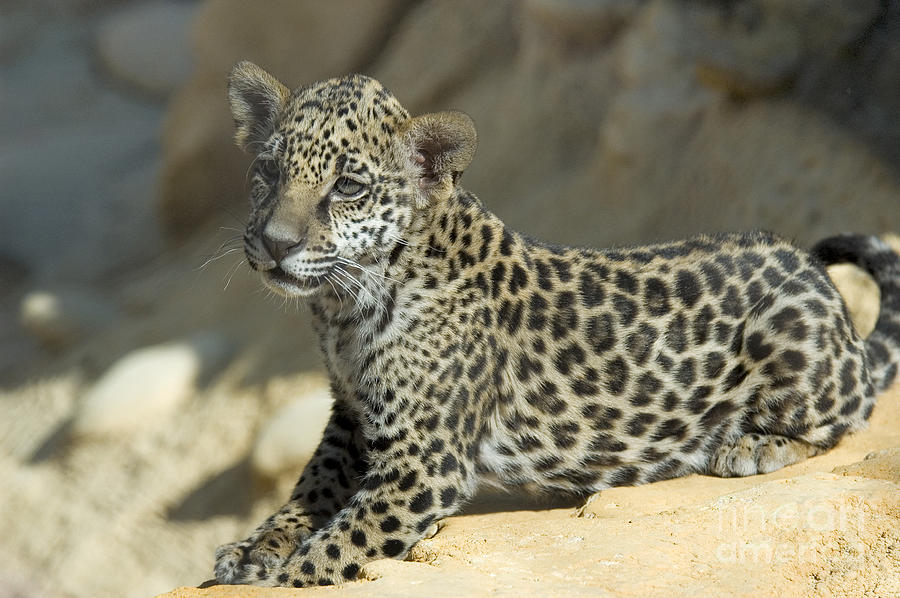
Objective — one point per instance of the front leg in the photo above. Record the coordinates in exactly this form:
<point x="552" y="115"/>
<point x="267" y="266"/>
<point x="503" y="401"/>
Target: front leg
<point x="328" y="481"/>
<point x="412" y="482"/>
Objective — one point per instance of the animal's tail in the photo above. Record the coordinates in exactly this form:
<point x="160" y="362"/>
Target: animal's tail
<point x="878" y="259"/>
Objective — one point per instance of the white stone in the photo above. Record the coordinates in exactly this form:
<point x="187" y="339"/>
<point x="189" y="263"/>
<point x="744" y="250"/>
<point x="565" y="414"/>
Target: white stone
<point x="61" y="317"/>
<point x="291" y="436"/>
<point x="148" y="45"/>
<point x="145" y="386"/>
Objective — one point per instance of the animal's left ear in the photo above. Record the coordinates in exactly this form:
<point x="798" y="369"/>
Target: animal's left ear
<point x="256" y="99"/>
<point x="443" y="143"/>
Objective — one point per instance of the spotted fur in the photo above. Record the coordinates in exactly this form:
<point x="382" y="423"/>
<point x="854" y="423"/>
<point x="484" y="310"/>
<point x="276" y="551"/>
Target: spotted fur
<point x="462" y="352"/>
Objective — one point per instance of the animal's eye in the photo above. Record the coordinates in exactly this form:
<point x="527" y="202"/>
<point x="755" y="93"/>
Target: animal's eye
<point x="349" y="187"/>
<point x="268" y="168"/>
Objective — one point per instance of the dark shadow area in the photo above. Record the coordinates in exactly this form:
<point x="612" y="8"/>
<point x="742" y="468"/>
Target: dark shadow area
<point x="208" y="584"/>
<point x="491" y="500"/>
<point x="229" y="492"/>
<point x="52" y="444"/>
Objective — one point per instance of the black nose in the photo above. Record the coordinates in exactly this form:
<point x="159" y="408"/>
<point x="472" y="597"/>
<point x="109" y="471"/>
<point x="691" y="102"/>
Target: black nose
<point x="279" y="248"/>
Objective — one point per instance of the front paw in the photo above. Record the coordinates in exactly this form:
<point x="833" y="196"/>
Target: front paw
<point x="245" y="563"/>
<point x="254" y="560"/>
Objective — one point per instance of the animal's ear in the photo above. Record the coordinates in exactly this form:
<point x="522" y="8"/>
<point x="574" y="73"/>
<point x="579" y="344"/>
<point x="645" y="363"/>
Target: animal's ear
<point x="443" y="144"/>
<point x="256" y="99"/>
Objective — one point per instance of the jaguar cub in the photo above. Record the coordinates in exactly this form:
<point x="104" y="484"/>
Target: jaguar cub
<point x="460" y="351"/>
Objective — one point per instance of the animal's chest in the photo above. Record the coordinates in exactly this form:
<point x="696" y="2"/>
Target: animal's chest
<point x="344" y="355"/>
<point x="371" y="355"/>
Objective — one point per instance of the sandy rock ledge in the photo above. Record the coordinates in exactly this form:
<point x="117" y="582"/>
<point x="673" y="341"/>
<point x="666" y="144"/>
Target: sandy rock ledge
<point x="827" y="527"/>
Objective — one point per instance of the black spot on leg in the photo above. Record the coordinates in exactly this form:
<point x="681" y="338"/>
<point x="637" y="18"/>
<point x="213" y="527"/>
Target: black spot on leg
<point x="448" y="464"/>
<point x="847" y="377"/>
<point x="390" y="524"/>
<point x="421" y="501"/>
<point x="448" y="496"/>
<point x="671" y="428"/>
<point x="392" y="548"/>
<point x="624" y="476"/>
<point x="351" y="571"/>
<point x="408" y="481"/>
<point x="716" y="414"/>
<point x="425" y="523"/>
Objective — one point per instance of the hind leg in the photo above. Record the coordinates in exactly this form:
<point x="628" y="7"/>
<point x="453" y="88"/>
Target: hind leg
<point x="759" y="453"/>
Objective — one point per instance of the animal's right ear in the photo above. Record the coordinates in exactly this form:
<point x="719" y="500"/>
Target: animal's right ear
<point x="443" y="144"/>
<point x="256" y="99"/>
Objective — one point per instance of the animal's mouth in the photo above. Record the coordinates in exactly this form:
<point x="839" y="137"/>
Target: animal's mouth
<point x="288" y="284"/>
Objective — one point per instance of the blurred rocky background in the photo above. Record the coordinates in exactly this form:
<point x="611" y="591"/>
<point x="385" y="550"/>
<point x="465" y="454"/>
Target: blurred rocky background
<point x="155" y="403"/>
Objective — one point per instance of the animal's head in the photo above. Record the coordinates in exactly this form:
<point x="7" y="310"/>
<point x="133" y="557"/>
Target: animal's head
<point x="341" y="171"/>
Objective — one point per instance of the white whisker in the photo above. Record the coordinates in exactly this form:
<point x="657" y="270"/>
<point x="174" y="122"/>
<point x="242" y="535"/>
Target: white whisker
<point x="218" y="257"/>
<point x="231" y="273"/>
<point x="347" y="289"/>
<point x="372" y="297"/>
<point x="338" y="295"/>
<point x="366" y="270"/>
